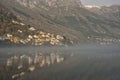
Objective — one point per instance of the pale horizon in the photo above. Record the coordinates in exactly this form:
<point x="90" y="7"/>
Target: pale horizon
<point x="101" y="2"/>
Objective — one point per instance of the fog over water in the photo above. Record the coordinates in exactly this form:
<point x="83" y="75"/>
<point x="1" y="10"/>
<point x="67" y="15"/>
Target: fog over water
<point x="78" y="62"/>
<point x="81" y="48"/>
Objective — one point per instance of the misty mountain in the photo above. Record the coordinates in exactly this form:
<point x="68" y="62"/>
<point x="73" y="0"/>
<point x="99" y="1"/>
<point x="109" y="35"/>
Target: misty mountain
<point x="110" y="12"/>
<point x="68" y="18"/>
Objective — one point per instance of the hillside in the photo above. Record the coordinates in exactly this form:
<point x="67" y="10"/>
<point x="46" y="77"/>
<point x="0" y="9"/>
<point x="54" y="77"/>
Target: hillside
<point x="12" y="30"/>
<point x="67" y="18"/>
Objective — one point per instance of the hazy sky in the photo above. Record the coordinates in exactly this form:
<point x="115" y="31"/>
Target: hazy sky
<point x="100" y="2"/>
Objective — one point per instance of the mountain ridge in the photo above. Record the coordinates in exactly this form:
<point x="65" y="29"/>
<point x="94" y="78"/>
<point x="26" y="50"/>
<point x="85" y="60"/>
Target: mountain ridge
<point x="110" y="12"/>
<point x="76" y="22"/>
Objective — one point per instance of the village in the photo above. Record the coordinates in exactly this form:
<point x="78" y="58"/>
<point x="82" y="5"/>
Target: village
<point x="34" y="37"/>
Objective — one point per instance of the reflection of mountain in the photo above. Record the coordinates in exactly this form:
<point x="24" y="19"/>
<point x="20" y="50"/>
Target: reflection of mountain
<point x="65" y="16"/>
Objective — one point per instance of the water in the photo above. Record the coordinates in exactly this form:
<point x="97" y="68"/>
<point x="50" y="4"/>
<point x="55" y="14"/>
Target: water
<point x="79" y="62"/>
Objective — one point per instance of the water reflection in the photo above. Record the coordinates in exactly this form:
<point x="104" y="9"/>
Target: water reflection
<point x="91" y="62"/>
<point x="17" y="65"/>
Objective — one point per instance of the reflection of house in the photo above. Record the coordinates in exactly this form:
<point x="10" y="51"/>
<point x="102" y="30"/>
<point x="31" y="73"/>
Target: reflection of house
<point x="42" y="64"/>
<point x="24" y="59"/>
<point x="36" y="59"/>
<point x="52" y="58"/>
<point x="18" y="75"/>
<point x="15" y="76"/>
<point x="9" y="62"/>
<point x="20" y="66"/>
<point x="59" y="58"/>
<point x="31" y="68"/>
<point x="22" y="73"/>
<point x="1" y="38"/>
<point x="30" y="62"/>
<point x="48" y="62"/>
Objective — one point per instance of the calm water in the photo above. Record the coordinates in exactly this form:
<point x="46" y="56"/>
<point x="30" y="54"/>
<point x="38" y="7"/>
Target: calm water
<point x="80" y="62"/>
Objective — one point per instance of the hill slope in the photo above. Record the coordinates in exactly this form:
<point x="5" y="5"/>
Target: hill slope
<point x="68" y="18"/>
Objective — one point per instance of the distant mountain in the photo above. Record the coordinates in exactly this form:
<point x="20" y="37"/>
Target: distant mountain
<point x="68" y="18"/>
<point x="110" y="12"/>
<point x="91" y="6"/>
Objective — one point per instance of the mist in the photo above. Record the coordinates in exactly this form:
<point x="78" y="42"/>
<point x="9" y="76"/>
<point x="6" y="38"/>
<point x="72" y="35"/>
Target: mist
<point x="75" y="62"/>
<point x="80" y="48"/>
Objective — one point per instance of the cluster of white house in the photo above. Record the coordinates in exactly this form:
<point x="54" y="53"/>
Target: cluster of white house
<point x="37" y="38"/>
<point x="108" y="40"/>
<point x="19" y="23"/>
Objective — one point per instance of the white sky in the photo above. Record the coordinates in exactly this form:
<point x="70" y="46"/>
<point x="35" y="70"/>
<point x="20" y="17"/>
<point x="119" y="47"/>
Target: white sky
<point x="100" y="2"/>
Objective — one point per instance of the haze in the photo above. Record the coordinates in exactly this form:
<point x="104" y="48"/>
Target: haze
<point x="100" y="2"/>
